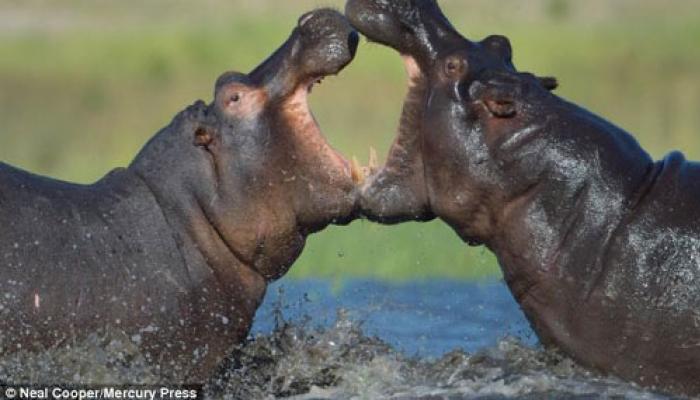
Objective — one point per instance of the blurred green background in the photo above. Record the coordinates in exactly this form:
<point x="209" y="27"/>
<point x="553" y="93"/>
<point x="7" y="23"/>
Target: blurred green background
<point x="84" y="84"/>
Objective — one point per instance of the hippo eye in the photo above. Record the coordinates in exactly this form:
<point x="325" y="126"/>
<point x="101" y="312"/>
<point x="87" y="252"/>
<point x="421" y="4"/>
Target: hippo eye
<point x="452" y="66"/>
<point x="235" y="98"/>
<point x="455" y="67"/>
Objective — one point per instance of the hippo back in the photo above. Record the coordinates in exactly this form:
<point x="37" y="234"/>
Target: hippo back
<point x="69" y="253"/>
<point x="649" y="286"/>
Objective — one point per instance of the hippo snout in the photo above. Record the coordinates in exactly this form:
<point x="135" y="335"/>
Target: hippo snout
<point x="328" y="41"/>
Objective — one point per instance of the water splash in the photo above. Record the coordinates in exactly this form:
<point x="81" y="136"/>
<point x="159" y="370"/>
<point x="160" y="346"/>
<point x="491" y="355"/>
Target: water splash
<point x="340" y="362"/>
<point x="102" y="358"/>
<point x="300" y="352"/>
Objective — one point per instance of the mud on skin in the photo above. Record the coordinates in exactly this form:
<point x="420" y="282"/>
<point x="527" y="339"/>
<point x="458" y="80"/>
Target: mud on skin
<point x="598" y="243"/>
<point x="175" y="251"/>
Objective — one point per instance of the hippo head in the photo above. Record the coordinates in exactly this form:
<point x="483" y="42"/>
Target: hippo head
<point x="251" y="172"/>
<point x="467" y="114"/>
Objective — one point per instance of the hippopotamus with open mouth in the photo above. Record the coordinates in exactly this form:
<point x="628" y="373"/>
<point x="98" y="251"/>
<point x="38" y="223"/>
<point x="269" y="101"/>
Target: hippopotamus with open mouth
<point x="598" y="243"/>
<point x="177" y="249"/>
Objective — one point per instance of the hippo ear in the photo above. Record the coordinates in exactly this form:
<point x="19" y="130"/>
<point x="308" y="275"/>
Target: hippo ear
<point x="203" y="137"/>
<point x="500" y="45"/>
<point x="499" y="98"/>
<point x="501" y="108"/>
<point x="549" y="83"/>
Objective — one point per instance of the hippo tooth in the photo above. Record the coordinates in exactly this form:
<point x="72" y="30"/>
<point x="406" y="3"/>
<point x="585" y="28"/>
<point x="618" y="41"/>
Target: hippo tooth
<point x="373" y="163"/>
<point x="358" y="176"/>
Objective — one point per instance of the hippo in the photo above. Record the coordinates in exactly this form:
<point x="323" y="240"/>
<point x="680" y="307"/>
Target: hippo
<point x="598" y="243"/>
<point x="176" y="250"/>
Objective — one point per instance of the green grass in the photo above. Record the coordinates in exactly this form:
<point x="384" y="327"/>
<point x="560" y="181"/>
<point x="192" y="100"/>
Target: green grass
<point x="84" y="84"/>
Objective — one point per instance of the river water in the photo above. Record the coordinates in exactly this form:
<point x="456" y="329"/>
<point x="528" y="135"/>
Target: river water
<point x="360" y="340"/>
<point x="418" y="340"/>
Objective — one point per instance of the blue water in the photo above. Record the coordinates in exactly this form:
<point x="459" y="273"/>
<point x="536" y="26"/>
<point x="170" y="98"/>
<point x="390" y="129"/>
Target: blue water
<point x="361" y="339"/>
<point x="426" y="319"/>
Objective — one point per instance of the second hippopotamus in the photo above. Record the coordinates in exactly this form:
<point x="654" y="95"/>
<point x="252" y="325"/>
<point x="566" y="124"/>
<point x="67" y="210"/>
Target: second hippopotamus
<point x="598" y="243"/>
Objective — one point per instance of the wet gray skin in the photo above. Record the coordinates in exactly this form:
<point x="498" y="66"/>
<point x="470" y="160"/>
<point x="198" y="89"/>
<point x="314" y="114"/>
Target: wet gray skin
<point x="598" y="243"/>
<point x="176" y="250"/>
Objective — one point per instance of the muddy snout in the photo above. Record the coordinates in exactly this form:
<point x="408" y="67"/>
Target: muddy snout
<point x="328" y="42"/>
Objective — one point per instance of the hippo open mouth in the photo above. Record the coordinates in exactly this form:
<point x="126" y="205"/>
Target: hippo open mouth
<point x="278" y="153"/>
<point x="322" y="44"/>
<point x="451" y="80"/>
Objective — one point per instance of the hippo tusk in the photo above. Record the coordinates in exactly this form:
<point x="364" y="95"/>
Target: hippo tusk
<point x="373" y="163"/>
<point x="356" y="170"/>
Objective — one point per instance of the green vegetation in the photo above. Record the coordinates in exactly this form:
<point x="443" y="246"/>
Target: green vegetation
<point x="84" y="84"/>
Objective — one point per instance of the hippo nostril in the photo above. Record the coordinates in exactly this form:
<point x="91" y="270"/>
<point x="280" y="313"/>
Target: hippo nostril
<point x="305" y="18"/>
